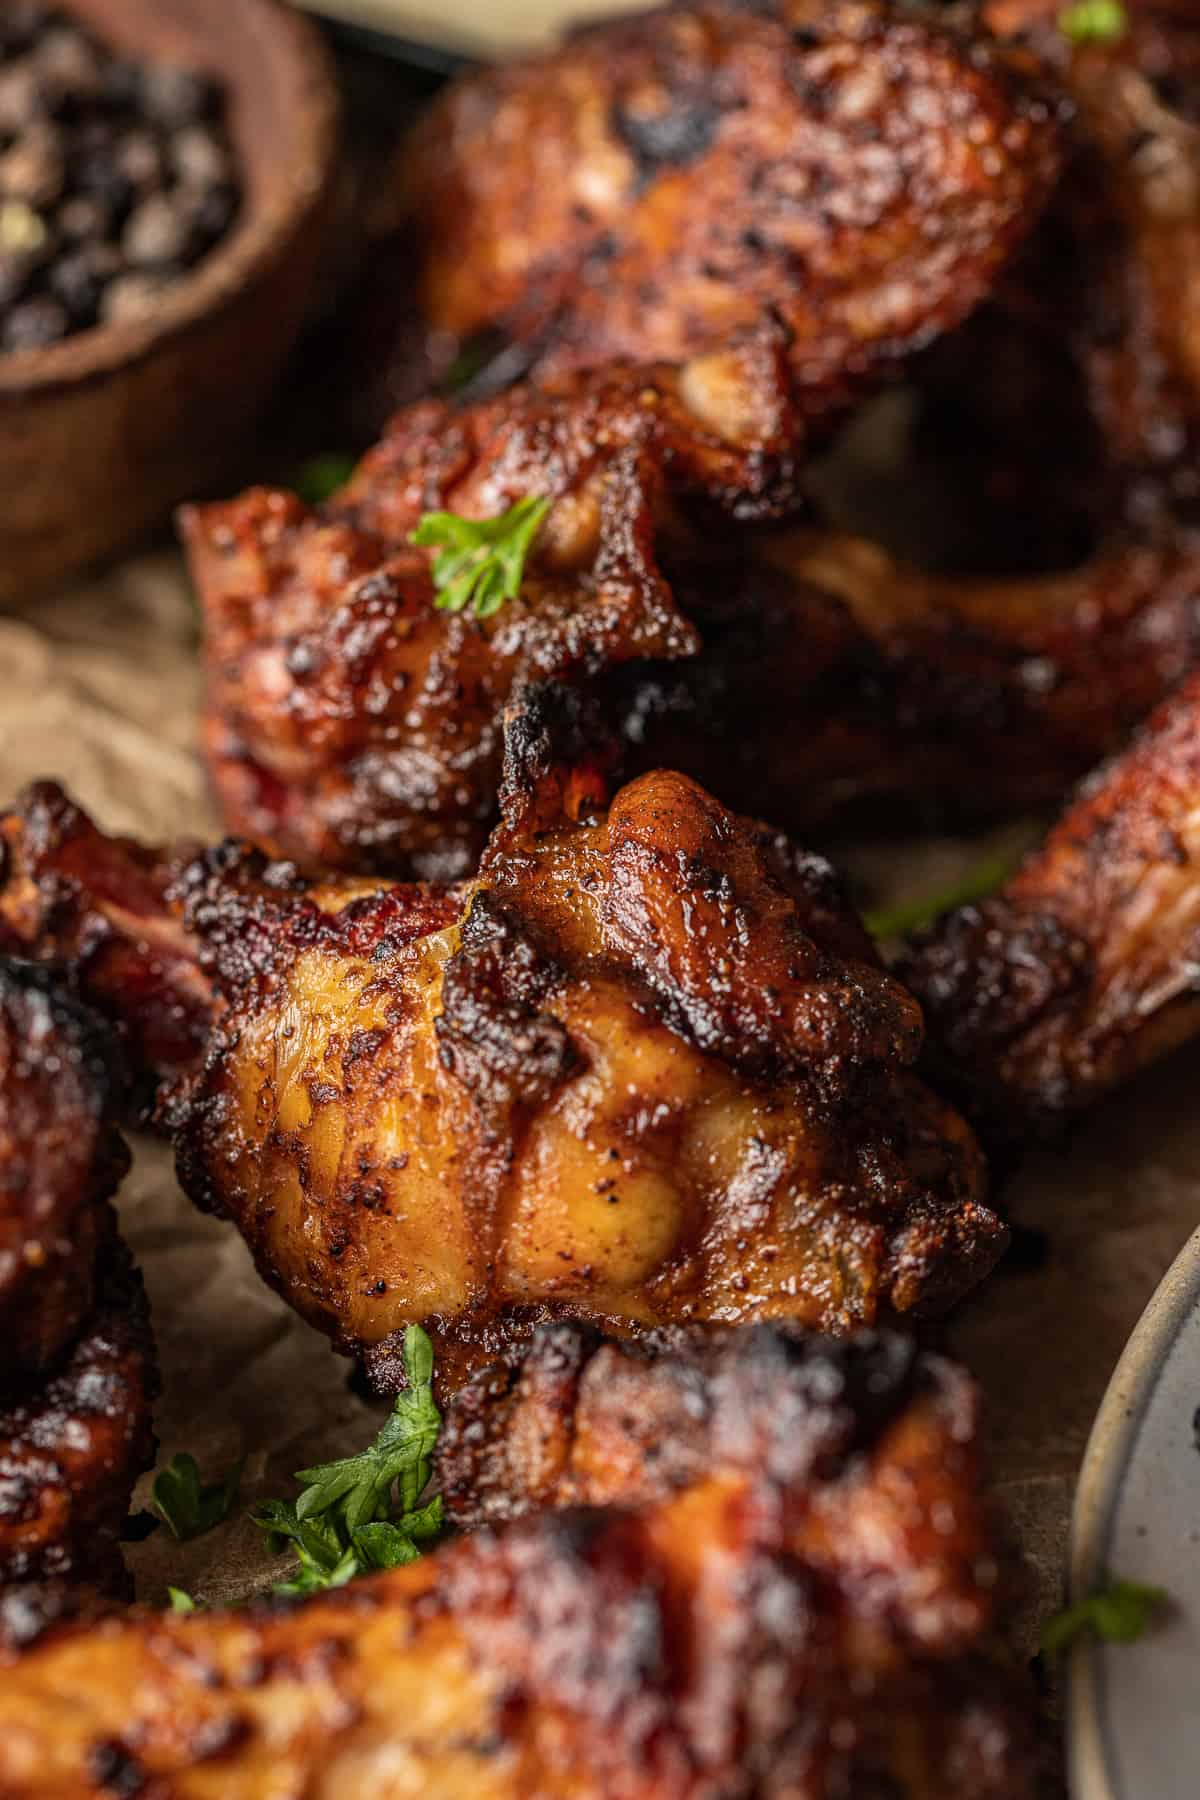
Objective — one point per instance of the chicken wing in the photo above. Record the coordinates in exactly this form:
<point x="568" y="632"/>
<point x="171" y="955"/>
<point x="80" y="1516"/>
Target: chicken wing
<point x="661" y="182"/>
<point x="646" y="1069"/>
<point x="352" y="723"/>
<point x="77" y="1372"/>
<point x="60" y="1160"/>
<point x="1080" y="376"/>
<point x="74" y="1441"/>
<point x="804" y="1612"/>
<point x="1086" y="964"/>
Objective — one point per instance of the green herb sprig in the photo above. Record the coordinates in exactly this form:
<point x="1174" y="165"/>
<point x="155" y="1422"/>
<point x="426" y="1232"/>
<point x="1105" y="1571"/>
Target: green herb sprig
<point x="1118" y="1612"/>
<point x="187" y="1506"/>
<point x="910" y="915"/>
<point x="361" y="1512"/>
<point x="180" y="1601"/>
<point x="1094" y="21"/>
<point x="481" y="561"/>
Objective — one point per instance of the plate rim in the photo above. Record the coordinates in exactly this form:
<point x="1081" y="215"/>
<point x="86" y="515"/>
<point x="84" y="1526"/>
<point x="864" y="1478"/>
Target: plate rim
<point x="1106" y="1459"/>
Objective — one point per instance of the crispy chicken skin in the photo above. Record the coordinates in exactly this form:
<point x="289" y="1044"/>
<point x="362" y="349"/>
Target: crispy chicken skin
<point x="60" y="1158"/>
<point x="95" y="907"/>
<point x="77" y="1371"/>
<point x="74" y="1441"/>
<point x="1083" y="967"/>
<point x="661" y="182"/>
<point x="646" y="1069"/>
<point x="802" y="1615"/>
<point x="349" y="722"/>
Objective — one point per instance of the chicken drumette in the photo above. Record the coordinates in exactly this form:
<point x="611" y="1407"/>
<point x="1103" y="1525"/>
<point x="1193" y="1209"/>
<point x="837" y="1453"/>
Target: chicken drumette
<point x="645" y="1069"/>
<point x="796" y="1603"/>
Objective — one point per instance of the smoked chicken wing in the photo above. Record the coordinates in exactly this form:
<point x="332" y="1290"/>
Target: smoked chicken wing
<point x="662" y="182"/>
<point x="645" y="1069"/>
<point x="77" y="1372"/>
<point x="1085" y="965"/>
<point x="802" y="1610"/>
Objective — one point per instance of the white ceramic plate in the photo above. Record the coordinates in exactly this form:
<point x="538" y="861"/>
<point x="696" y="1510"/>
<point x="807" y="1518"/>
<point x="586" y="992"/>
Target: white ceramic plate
<point x="1134" y="1721"/>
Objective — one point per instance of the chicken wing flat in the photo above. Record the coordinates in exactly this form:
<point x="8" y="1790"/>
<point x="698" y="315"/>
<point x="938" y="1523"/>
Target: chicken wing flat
<point x="805" y="1613"/>
<point x="1083" y="967"/>
<point x="350" y="722"/>
<point x="646" y="1069"/>
<point x="60" y="1159"/>
<point x="661" y="182"/>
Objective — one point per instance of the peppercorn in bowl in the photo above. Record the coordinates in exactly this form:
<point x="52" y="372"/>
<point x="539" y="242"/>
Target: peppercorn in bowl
<point x="164" y="172"/>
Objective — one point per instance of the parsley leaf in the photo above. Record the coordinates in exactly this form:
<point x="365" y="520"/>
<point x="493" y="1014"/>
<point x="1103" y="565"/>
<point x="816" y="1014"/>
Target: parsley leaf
<point x="481" y="561"/>
<point x="1118" y="1613"/>
<point x="361" y="1512"/>
<point x="321" y="476"/>
<point x="910" y="915"/>
<point x="182" y="1602"/>
<point x="187" y="1506"/>
<point x="1094" y="21"/>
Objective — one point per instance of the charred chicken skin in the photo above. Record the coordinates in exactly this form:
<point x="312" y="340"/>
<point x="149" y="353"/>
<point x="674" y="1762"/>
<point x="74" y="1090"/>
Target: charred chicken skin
<point x="1080" y="376"/>
<point x="802" y="1612"/>
<point x="77" y="1373"/>
<point x="662" y="182"/>
<point x="60" y="1160"/>
<point x="1083" y="967"/>
<point x="646" y="1069"/>
<point x="350" y="723"/>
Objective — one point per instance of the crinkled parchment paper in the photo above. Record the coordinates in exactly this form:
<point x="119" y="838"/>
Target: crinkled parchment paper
<point x="99" y="686"/>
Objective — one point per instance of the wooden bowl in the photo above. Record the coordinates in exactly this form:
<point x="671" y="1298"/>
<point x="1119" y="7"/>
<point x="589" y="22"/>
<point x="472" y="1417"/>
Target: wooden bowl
<point x="102" y="434"/>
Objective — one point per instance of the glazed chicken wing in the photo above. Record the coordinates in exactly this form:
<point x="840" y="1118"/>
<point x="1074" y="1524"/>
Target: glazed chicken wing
<point x="803" y="1612"/>
<point x="646" y="1069"/>
<point x="351" y="722"/>
<point x="1080" y="376"/>
<point x="661" y="182"/>
<point x="1084" y="966"/>
<point x="77" y="1373"/>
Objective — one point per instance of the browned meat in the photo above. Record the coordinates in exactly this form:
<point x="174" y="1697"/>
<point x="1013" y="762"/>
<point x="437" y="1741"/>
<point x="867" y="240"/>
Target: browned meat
<point x="60" y="1158"/>
<point x="1086" y="964"/>
<point x="352" y="724"/>
<point x="802" y="1614"/>
<point x="94" y="906"/>
<point x="645" y="1070"/>
<point x="74" y="1441"/>
<point x="661" y="182"/>
<point x="1080" y="378"/>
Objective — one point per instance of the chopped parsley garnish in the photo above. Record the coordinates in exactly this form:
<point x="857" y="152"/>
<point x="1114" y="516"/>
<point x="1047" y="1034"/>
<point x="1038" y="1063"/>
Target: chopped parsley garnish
<point x="1118" y="1613"/>
<point x="910" y="915"/>
<point x="361" y="1512"/>
<point x="481" y="561"/>
<point x="186" y="1505"/>
<point x="321" y="476"/>
<point x="1094" y="21"/>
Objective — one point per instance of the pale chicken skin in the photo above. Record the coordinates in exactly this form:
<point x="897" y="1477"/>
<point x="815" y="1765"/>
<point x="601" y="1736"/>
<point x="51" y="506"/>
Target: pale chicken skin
<point x="805" y="1614"/>
<point x="646" y="1069"/>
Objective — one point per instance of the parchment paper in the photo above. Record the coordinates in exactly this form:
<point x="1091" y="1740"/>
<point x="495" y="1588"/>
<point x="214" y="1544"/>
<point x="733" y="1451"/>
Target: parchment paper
<point x="98" y="686"/>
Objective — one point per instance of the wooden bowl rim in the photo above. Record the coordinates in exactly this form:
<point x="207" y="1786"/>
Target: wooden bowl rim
<point x="256" y="241"/>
